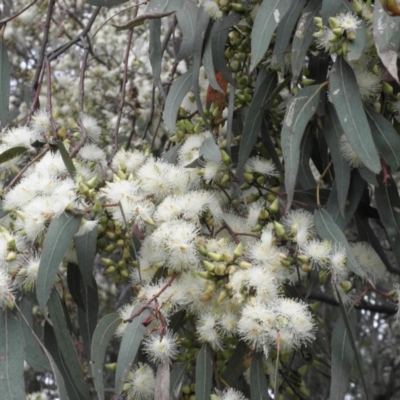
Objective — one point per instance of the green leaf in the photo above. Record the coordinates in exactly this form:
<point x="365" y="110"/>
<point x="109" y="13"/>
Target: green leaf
<point x="284" y="32"/>
<point x="2" y="212"/>
<point x="386" y="37"/>
<point x="327" y="229"/>
<point x="172" y="154"/>
<point x="268" y="17"/>
<point x="328" y="9"/>
<point x="210" y="150"/>
<point x="235" y="366"/>
<point x="385" y="137"/>
<point x="342" y="358"/>
<point x="67" y="159"/>
<point x="176" y="380"/>
<point x="140" y="19"/>
<point x="187" y="17"/>
<point x="59" y="235"/>
<point x="12" y="153"/>
<point x="4" y="83"/>
<point x="85" y="246"/>
<point x="204" y="372"/>
<point x="388" y="205"/>
<point x="66" y="345"/>
<point x="333" y="131"/>
<point x="177" y="92"/>
<point x="303" y="37"/>
<point x="74" y="278"/>
<point x="103" y="333"/>
<point x="346" y="98"/>
<point x="306" y="177"/>
<point x="129" y="347"/>
<point x="209" y="66"/>
<point x="155" y="48"/>
<point x="105" y="3"/>
<point x="11" y="357"/>
<point x="258" y="380"/>
<point x="357" y="46"/>
<point x="161" y="6"/>
<point x="299" y="111"/>
<point x="264" y="87"/>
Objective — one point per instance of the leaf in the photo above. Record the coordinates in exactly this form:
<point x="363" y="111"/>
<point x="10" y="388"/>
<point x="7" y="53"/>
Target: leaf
<point x="105" y="3"/>
<point x="172" y="154"/>
<point x="176" y="380"/>
<point x="306" y="177"/>
<point x="236" y="366"/>
<point x="162" y="382"/>
<point x="387" y="39"/>
<point x="129" y="346"/>
<point x="67" y="159"/>
<point x="328" y="9"/>
<point x="385" y="137"/>
<point x="2" y="212"/>
<point x="9" y="154"/>
<point x="269" y="146"/>
<point x="258" y="381"/>
<point x="177" y="92"/>
<point x="284" y="31"/>
<point x="204" y="372"/>
<point x="342" y="358"/>
<point x="318" y="67"/>
<point x="11" y="357"/>
<point x="59" y="235"/>
<point x="327" y="229"/>
<point x="303" y="37"/>
<point x="103" y="333"/>
<point x="140" y="19"/>
<point x="66" y="345"/>
<point x="74" y="278"/>
<point x="264" y="87"/>
<point x="357" y="46"/>
<point x="161" y="6"/>
<point x="187" y="17"/>
<point x="333" y="131"/>
<point x="345" y="96"/>
<point x="209" y="150"/>
<point x="4" y="83"/>
<point x="85" y="246"/>
<point x="155" y="49"/>
<point x="299" y="111"/>
<point x="209" y="66"/>
<point x="388" y="205"/>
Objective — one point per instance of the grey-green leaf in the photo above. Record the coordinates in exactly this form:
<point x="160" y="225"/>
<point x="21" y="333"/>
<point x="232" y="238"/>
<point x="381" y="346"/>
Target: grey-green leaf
<point x="258" y="380"/>
<point x="176" y="381"/>
<point x="161" y="6"/>
<point x="210" y="150"/>
<point x="268" y="17"/>
<point x="327" y="229"/>
<point x="67" y="159"/>
<point x="4" y="83"/>
<point x="177" y="92"/>
<point x="85" y="246"/>
<point x="204" y="372"/>
<point x="59" y="235"/>
<point x="9" y="154"/>
<point x="11" y="357"/>
<point x="140" y="19"/>
<point x="299" y="111"/>
<point x="187" y="17"/>
<point x="385" y="137"/>
<point x="129" y="346"/>
<point x="103" y="333"/>
<point x="264" y="87"/>
<point x="345" y="96"/>
<point x="155" y="48"/>
<point x="357" y="46"/>
<point x="106" y="3"/>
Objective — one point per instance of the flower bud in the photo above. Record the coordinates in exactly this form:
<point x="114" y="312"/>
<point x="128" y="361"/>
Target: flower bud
<point x="274" y="206"/>
<point x="346" y="286"/>
<point x="222" y="296"/>
<point x="208" y="266"/>
<point x="238" y="252"/>
<point x="220" y="270"/>
<point x="351" y="36"/>
<point x="338" y="32"/>
<point x="279" y="229"/>
<point x="302" y="370"/>
<point x="334" y="22"/>
<point x="244" y="265"/>
<point x="215" y="256"/>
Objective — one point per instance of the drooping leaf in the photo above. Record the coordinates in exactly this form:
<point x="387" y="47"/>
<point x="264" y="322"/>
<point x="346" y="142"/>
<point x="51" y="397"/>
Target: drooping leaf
<point x="129" y="346"/>
<point x="387" y="39"/>
<point x="4" y="83"/>
<point x="74" y="278"/>
<point x="303" y="37"/>
<point x="318" y="67"/>
<point x="368" y="176"/>
<point x="357" y="46"/>
<point x="264" y="87"/>
<point x="172" y="154"/>
<point x="209" y="150"/>
<point x="162" y="382"/>
<point x="258" y="380"/>
<point x="269" y="146"/>
<point x="155" y="55"/>
<point x="176" y="381"/>
<point x="204" y="372"/>
<point x="346" y="98"/>
<point x="105" y="3"/>
<point x="299" y="111"/>
<point x="187" y="17"/>
<point x="306" y="177"/>
<point x="67" y="159"/>
<point x="85" y="246"/>
<point x="161" y="6"/>
<point x="2" y="212"/>
<point x="11" y="357"/>
<point x="328" y="9"/>
<point x="327" y="229"/>
<point x="177" y="92"/>
<point x="140" y="19"/>
<point x="235" y="366"/>
<point x="209" y="65"/>
<point x="333" y="131"/>
<point x="59" y="235"/>
<point x="284" y="31"/>
<point x="385" y="137"/>
<point x="12" y="153"/>
<point x="66" y="345"/>
<point x="268" y="17"/>
<point x="103" y="333"/>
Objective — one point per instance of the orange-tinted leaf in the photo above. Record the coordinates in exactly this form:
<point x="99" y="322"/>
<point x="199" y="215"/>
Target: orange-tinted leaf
<point x="391" y="7"/>
<point x="216" y="97"/>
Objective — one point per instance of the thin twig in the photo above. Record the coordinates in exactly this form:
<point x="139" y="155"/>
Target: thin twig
<point x="5" y="20"/>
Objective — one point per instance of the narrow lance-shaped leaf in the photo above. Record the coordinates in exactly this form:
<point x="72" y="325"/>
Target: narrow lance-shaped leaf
<point x="59" y="235"/>
<point x="4" y="83"/>
<point x="175" y="96"/>
<point x="268" y="17"/>
<point x="327" y="229"/>
<point x="209" y="65"/>
<point x="140" y="19"/>
<point x="11" y="357"/>
<point x="155" y="49"/>
<point x="346" y="98"/>
<point x="204" y="372"/>
<point x="306" y="177"/>
<point x="187" y="17"/>
<point x="86" y="251"/>
<point x="102" y="335"/>
<point x="12" y="153"/>
<point x="357" y="46"/>
<point x="329" y="9"/>
<point x="67" y="159"/>
<point x="162" y="382"/>
<point x="210" y="150"/>
<point x="106" y="3"/>
<point x="176" y="381"/>
<point x="299" y="111"/>
<point x="161" y="6"/>
<point x="258" y="380"/>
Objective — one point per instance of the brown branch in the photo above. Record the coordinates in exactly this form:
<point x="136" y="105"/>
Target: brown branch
<point x="5" y="20"/>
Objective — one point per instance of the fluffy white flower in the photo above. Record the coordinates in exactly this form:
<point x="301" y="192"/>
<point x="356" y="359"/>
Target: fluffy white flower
<point x="261" y="166"/>
<point x="300" y="224"/>
<point x="348" y="21"/>
<point x="368" y="82"/>
<point x="326" y="40"/>
<point x="161" y="349"/>
<point x="210" y="170"/>
<point x="86" y="226"/>
<point x="31" y="268"/>
<point x="21" y="136"/>
<point x="337" y="263"/>
<point x="6" y="289"/>
<point x="318" y="251"/>
<point x="128" y="161"/>
<point x="231" y="394"/>
<point x="91" y="127"/>
<point x="349" y="154"/>
<point x="41" y="121"/>
<point x="141" y="382"/>
<point x="207" y="328"/>
<point x="91" y="152"/>
<point x="369" y="261"/>
<point x="212" y="8"/>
